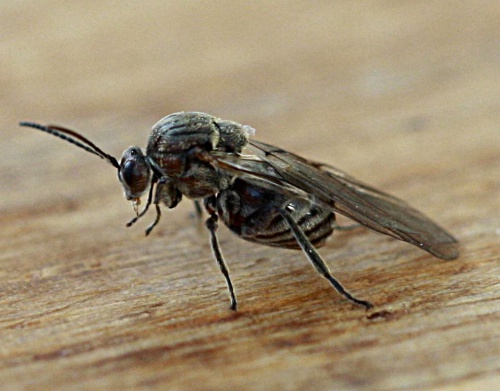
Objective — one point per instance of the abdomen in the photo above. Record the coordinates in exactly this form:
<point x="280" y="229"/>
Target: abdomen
<point x="251" y="212"/>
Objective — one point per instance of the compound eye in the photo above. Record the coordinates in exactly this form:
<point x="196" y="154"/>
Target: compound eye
<point x="134" y="173"/>
<point x="128" y="172"/>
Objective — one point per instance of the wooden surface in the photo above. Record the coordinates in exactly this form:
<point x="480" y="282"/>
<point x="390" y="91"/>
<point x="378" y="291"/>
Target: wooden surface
<point x="403" y="95"/>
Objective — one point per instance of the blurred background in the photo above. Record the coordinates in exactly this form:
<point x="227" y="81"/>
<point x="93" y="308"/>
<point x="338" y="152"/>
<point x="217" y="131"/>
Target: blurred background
<point x="339" y="81"/>
<point x="401" y="94"/>
<point x="336" y="71"/>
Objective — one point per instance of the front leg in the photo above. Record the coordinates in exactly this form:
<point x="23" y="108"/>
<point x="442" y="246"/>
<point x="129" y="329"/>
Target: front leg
<point x="146" y="207"/>
<point x="165" y="193"/>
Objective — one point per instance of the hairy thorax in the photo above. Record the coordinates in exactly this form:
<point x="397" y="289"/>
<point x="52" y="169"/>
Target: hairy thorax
<point x="176" y="141"/>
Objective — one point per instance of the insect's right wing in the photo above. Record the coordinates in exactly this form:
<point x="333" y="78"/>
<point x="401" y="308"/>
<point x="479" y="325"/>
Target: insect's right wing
<point x="291" y="174"/>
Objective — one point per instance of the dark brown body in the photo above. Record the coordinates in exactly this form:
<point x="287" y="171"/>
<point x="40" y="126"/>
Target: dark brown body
<point x="251" y="212"/>
<point x="263" y="193"/>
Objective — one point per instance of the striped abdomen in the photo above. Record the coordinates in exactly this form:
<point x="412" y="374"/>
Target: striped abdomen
<point x="252" y="213"/>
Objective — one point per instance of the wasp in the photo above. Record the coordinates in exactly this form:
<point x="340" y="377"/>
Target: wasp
<point x="262" y="193"/>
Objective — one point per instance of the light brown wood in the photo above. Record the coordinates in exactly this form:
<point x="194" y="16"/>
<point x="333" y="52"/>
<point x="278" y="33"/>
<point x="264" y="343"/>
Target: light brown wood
<point x="403" y="95"/>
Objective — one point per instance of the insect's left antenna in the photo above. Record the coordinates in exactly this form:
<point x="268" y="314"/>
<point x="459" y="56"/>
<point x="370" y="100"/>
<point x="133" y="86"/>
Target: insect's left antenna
<point x="73" y="138"/>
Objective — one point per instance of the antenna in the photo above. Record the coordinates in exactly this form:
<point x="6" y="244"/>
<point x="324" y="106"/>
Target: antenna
<point x="73" y="138"/>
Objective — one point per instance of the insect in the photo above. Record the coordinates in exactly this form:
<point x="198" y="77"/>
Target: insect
<point x="262" y="193"/>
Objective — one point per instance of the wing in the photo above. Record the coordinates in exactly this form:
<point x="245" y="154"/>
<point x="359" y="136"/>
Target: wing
<point x="329" y="187"/>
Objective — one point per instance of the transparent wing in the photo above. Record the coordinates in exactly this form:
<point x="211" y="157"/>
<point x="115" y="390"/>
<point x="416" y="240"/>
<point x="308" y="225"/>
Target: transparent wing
<point x="288" y="173"/>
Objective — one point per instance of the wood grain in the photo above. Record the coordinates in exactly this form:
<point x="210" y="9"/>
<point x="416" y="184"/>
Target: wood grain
<point x="403" y="95"/>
